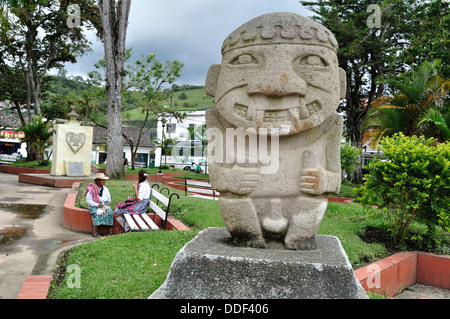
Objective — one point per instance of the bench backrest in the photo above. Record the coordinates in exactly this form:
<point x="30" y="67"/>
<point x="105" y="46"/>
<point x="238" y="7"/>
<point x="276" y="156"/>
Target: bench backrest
<point x="160" y="198"/>
<point x="199" y="187"/>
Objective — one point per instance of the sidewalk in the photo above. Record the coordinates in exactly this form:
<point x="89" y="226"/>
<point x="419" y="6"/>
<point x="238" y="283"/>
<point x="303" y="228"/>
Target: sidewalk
<point x="36" y="252"/>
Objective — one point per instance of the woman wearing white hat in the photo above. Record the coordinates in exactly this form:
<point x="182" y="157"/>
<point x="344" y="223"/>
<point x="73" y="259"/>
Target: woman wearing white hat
<point x="99" y="199"/>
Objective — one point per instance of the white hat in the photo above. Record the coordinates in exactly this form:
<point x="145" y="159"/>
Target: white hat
<point x="101" y="176"/>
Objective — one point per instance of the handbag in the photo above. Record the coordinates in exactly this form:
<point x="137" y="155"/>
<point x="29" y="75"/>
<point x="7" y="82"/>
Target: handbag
<point x="127" y="204"/>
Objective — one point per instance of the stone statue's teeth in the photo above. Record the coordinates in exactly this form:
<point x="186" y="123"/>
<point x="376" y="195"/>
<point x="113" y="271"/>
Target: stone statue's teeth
<point x="251" y="113"/>
<point x="295" y="117"/>
<point x="313" y="107"/>
<point x="303" y="111"/>
<point x="277" y="116"/>
<point x="259" y="118"/>
<point x="241" y="110"/>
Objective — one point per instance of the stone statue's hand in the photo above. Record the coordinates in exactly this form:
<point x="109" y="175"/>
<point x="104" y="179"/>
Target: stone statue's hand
<point x="242" y="180"/>
<point x="313" y="181"/>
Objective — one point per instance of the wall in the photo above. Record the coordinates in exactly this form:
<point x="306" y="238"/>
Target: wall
<point x="392" y="274"/>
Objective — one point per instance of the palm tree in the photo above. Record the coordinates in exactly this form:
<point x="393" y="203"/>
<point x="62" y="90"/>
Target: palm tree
<point x="38" y="134"/>
<point x="166" y="145"/>
<point x="439" y="122"/>
<point x="407" y="111"/>
<point x="199" y="132"/>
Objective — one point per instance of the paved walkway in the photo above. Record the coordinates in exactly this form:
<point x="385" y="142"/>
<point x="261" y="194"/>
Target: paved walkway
<point x="23" y="257"/>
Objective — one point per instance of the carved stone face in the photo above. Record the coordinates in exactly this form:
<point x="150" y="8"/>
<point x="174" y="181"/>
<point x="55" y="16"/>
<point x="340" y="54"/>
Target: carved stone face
<point x="284" y="86"/>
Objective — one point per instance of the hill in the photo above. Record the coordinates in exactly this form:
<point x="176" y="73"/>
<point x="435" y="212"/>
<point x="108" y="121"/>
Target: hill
<point x="184" y="98"/>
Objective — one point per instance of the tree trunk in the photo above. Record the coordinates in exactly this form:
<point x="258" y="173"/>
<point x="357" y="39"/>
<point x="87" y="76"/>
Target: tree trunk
<point x="114" y="21"/>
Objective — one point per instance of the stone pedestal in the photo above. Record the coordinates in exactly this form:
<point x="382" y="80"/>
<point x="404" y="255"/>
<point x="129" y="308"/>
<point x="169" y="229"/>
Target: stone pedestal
<point x="72" y="150"/>
<point x="209" y="268"/>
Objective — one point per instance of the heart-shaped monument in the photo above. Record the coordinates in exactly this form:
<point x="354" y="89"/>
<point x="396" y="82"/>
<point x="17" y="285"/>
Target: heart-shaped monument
<point x="75" y="141"/>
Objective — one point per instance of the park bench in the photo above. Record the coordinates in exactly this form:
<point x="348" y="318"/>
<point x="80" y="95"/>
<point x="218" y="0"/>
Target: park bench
<point x="7" y="159"/>
<point x="143" y="222"/>
<point x="199" y="188"/>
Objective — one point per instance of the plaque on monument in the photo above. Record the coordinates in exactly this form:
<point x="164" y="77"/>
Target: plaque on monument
<point x="75" y="169"/>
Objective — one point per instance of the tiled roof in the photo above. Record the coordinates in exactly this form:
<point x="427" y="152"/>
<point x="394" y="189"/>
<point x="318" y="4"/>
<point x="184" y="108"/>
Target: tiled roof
<point x="9" y="120"/>
<point x="101" y="133"/>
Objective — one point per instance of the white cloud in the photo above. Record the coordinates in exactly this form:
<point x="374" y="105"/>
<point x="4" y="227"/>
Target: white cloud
<point x="191" y="31"/>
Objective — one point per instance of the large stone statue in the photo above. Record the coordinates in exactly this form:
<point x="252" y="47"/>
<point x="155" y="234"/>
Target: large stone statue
<point x="279" y="78"/>
<point x="277" y="89"/>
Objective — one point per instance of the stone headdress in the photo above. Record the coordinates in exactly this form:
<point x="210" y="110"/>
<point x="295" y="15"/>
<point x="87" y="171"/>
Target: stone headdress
<point x="280" y="28"/>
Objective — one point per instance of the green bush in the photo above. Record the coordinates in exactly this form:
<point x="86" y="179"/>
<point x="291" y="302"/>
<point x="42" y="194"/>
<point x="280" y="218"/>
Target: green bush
<point x="411" y="183"/>
<point x="349" y="158"/>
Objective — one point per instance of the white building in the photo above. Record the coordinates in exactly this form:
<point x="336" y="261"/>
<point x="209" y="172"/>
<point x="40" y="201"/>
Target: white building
<point x="145" y="156"/>
<point x="179" y="132"/>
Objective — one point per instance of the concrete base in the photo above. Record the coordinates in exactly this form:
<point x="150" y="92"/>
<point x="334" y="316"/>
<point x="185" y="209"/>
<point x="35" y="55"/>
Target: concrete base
<point x="52" y="181"/>
<point x="209" y="268"/>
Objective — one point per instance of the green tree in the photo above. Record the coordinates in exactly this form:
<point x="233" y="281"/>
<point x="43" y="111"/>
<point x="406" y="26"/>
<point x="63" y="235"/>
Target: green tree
<point x="411" y="183"/>
<point x="12" y="89"/>
<point x="165" y="145"/>
<point x="38" y="134"/>
<point x="439" y="120"/>
<point x="407" y="111"/>
<point x="199" y="132"/>
<point x="365" y="53"/>
<point x="349" y="158"/>
<point x="38" y="31"/>
<point x="148" y="76"/>
<point x="114" y="17"/>
<point x="431" y="39"/>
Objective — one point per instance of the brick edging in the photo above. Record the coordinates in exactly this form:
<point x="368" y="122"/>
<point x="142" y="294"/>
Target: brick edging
<point x="35" y="287"/>
<point x="392" y="274"/>
<point x="8" y="169"/>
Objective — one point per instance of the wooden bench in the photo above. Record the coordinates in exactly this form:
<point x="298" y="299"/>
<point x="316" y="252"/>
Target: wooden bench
<point x="198" y="187"/>
<point x="5" y="159"/>
<point x="143" y="222"/>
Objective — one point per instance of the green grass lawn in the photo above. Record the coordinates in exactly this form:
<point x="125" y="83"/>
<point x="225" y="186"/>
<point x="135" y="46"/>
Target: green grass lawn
<point x="133" y="265"/>
<point x="31" y="164"/>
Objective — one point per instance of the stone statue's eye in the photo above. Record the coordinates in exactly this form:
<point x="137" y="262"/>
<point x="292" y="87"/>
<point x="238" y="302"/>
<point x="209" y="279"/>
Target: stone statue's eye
<point x="244" y="59"/>
<point x="313" y="60"/>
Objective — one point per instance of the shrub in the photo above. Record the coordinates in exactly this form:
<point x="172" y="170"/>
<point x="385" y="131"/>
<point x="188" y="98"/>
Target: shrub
<point x="349" y="158"/>
<point x="412" y="182"/>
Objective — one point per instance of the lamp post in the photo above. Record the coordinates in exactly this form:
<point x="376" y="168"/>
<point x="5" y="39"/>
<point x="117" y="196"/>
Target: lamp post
<point x="163" y="121"/>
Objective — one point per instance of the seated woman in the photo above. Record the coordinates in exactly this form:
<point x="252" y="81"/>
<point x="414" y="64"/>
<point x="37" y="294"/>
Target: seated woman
<point x="198" y="169"/>
<point x="142" y="193"/>
<point x="98" y="198"/>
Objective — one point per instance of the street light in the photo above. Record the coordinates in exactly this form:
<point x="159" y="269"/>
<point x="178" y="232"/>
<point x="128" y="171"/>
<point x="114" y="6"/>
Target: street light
<point x="163" y="121"/>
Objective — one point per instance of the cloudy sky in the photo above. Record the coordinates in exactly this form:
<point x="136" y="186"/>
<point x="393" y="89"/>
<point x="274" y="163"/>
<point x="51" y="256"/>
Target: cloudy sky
<point x="190" y="31"/>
